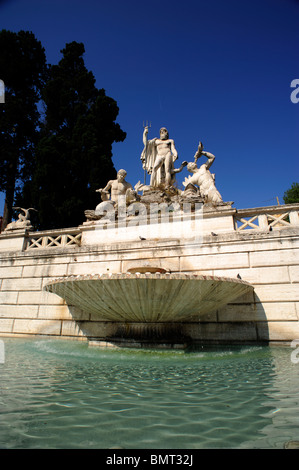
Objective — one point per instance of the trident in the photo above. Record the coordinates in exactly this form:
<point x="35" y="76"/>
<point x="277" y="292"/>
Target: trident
<point x="148" y="125"/>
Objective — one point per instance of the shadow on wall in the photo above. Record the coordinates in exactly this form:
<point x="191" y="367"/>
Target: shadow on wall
<point x="240" y="322"/>
<point x="243" y="320"/>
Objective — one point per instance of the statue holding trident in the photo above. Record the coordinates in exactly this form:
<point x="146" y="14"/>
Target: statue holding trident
<point x="158" y="157"/>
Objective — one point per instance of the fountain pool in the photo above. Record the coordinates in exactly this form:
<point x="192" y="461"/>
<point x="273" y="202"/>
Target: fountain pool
<point x="64" y="394"/>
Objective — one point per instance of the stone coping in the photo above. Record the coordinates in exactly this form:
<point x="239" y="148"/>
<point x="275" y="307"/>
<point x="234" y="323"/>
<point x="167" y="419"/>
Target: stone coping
<point x="146" y="275"/>
<point x="268" y="209"/>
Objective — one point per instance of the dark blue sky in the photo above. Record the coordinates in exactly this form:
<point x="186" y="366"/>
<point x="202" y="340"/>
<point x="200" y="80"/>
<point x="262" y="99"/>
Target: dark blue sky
<point x="209" y="70"/>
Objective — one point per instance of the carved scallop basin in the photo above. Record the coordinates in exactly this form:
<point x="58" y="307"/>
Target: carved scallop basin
<point x="148" y="296"/>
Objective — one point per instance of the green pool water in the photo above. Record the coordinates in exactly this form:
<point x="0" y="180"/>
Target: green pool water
<point x="64" y="394"/>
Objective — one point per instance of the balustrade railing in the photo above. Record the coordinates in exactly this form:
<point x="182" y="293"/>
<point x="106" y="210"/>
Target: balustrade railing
<point x="266" y="218"/>
<point x="43" y="240"/>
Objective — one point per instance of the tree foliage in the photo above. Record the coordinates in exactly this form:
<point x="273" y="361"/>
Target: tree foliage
<point x="73" y="157"/>
<point x="292" y="194"/>
<point x="23" y="70"/>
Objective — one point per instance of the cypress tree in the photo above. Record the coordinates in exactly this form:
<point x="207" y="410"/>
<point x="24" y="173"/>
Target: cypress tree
<point x="23" y="70"/>
<point x="74" y="153"/>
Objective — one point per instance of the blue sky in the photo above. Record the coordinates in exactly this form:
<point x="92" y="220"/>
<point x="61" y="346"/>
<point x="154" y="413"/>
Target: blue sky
<point x="216" y="71"/>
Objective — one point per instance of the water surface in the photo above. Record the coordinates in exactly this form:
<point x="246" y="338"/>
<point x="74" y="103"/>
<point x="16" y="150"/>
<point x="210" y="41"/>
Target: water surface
<point x="64" y="394"/>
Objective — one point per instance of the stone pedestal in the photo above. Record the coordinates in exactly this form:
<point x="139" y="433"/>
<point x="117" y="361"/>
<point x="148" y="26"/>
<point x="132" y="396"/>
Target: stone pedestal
<point x="13" y="240"/>
<point x="184" y="225"/>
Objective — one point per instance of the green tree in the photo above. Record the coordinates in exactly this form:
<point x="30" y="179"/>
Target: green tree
<point x="292" y="195"/>
<point x="74" y="154"/>
<point x="23" y="70"/>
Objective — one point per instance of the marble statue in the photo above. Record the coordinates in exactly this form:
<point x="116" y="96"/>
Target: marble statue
<point x="142" y="187"/>
<point x="202" y="177"/>
<point x="23" y="221"/>
<point x="118" y="188"/>
<point x="158" y="157"/>
<point x="116" y="195"/>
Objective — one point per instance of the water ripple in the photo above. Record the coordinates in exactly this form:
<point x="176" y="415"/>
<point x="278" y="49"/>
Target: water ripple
<point x="56" y="394"/>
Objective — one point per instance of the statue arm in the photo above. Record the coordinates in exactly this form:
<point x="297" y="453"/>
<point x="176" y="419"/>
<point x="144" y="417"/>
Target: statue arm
<point x="198" y="152"/>
<point x="173" y="150"/>
<point x="144" y="137"/>
<point x="210" y="157"/>
<point x="144" y="151"/>
<point x="178" y="170"/>
<point x="106" y="189"/>
<point x="108" y="186"/>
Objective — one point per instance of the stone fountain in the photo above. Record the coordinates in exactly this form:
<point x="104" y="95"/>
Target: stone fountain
<point x="147" y="296"/>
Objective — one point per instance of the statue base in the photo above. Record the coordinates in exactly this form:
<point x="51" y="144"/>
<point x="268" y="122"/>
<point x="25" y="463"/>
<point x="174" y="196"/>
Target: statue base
<point x="173" y="197"/>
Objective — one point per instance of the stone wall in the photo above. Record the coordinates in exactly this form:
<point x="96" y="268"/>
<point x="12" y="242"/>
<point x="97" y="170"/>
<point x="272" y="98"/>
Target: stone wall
<point x="269" y="260"/>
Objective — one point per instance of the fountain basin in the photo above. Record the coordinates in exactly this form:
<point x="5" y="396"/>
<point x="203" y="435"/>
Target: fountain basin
<point x="148" y="297"/>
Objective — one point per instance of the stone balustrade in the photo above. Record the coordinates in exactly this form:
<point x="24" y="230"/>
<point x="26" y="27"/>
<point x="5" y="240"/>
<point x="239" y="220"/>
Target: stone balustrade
<point x="53" y="239"/>
<point x="265" y="218"/>
<point x="223" y="220"/>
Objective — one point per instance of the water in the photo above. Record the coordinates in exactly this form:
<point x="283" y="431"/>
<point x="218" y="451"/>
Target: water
<point x="62" y="394"/>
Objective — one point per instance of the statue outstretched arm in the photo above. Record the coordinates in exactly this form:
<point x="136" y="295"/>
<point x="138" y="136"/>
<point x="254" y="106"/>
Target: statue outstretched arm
<point x="105" y="191"/>
<point x="108" y="186"/>
<point x="178" y="170"/>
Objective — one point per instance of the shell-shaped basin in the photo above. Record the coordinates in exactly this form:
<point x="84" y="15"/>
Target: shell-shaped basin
<point x="148" y="297"/>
